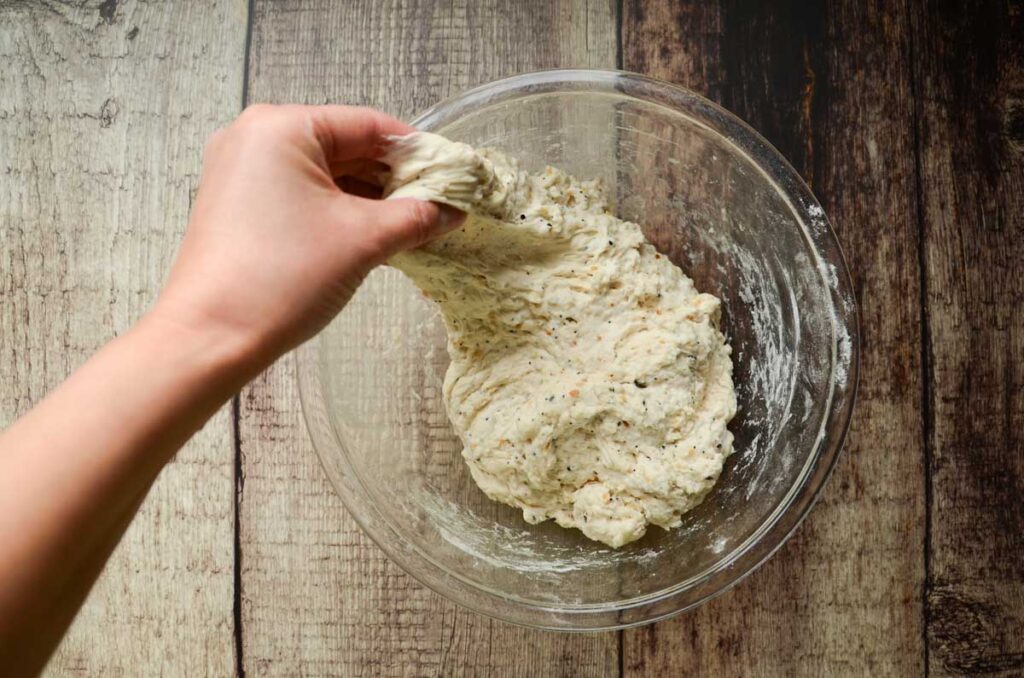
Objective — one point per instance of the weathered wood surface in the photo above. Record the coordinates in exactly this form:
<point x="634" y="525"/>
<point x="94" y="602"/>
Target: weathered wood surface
<point x="104" y="108"/>
<point x="318" y="597"/>
<point x="830" y="86"/>
<point x="969" y="70"/>
<point x="906" y="118"/>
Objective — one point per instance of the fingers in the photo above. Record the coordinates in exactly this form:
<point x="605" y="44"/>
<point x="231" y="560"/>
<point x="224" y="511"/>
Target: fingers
<point x="350" y="132"/>
<point x="392" y="226"/>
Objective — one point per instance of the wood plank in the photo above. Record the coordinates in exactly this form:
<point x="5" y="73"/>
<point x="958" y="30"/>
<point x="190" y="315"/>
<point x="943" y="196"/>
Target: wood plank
<point x="104" y="108"/>
<point x="829" y="85"/>
<point x="969" y="66"/>
<point x="317" y="596"/>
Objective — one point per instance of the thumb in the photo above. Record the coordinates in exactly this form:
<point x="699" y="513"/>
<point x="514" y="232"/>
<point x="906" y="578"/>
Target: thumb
<point x="406" y="223"/>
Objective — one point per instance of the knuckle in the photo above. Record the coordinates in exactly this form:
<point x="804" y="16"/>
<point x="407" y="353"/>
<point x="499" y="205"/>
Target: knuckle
<point x="420" y="217"/>
<point x="261" y="118"/>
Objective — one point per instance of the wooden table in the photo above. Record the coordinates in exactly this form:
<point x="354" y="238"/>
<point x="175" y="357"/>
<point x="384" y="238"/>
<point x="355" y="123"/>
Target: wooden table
<point x="907" y="120"/>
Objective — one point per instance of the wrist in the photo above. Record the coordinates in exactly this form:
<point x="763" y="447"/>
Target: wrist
<point x="221" y="353"/>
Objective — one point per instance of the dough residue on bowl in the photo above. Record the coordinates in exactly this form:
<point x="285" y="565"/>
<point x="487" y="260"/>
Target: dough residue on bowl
<point x="589" y="382"/>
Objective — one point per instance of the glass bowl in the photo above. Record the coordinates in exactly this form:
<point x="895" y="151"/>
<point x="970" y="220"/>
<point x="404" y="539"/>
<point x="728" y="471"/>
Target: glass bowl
<point x="724" y="205"/>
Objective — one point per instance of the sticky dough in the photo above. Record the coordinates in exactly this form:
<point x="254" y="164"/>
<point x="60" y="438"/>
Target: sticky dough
<point x="589" y="382"/>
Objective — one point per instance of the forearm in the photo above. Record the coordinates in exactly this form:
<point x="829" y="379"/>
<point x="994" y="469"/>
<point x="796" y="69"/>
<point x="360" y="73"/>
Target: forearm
<point x="75" y="468"/>
<point x="274" y="249"/>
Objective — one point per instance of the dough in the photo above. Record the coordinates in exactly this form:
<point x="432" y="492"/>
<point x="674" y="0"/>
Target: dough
<point x="589" y="382"/>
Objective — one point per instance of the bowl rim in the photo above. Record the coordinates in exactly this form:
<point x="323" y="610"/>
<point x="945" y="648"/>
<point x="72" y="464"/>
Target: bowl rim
<point x="742" y="560"/>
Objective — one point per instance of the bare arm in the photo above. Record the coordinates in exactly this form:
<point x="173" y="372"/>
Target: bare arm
<point x="273" y="251"/>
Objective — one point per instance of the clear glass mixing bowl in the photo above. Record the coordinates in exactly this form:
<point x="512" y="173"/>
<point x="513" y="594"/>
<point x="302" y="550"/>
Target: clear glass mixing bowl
<point x="726" y="207"/>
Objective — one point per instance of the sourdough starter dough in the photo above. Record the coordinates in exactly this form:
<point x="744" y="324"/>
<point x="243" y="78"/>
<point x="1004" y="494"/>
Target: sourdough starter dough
<point x="589" y="382"/>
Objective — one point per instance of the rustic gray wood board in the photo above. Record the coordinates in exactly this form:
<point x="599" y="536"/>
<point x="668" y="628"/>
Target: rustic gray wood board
<point x="104" y="108"/>
<point x="844" y="595"/>
<point x="317" y="596"/>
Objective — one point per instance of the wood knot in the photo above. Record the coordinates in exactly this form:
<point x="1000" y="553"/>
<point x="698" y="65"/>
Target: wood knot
<point x="1013" y="122"/>
<point x="108" y="113"/>
<point x="972" y="636"/>
<point x="108" y="9"/>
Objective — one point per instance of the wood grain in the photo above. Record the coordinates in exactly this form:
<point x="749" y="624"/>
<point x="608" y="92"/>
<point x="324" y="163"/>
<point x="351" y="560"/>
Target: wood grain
<point x="318" y="598"/>
<point x="830" y="85"/>
<point x="103" y="111"/>
<point x="908" y="121"/>
<point x="969" y="63"/>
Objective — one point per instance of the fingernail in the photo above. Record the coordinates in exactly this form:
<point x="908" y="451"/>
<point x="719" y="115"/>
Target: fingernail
<point x="449" y="218"/>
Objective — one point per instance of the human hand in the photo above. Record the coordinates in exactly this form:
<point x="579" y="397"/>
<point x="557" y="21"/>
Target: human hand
<point x="274" y="247"/>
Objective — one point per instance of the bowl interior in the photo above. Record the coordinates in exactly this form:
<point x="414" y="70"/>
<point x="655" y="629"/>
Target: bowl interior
<point x="704" y="203"/>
